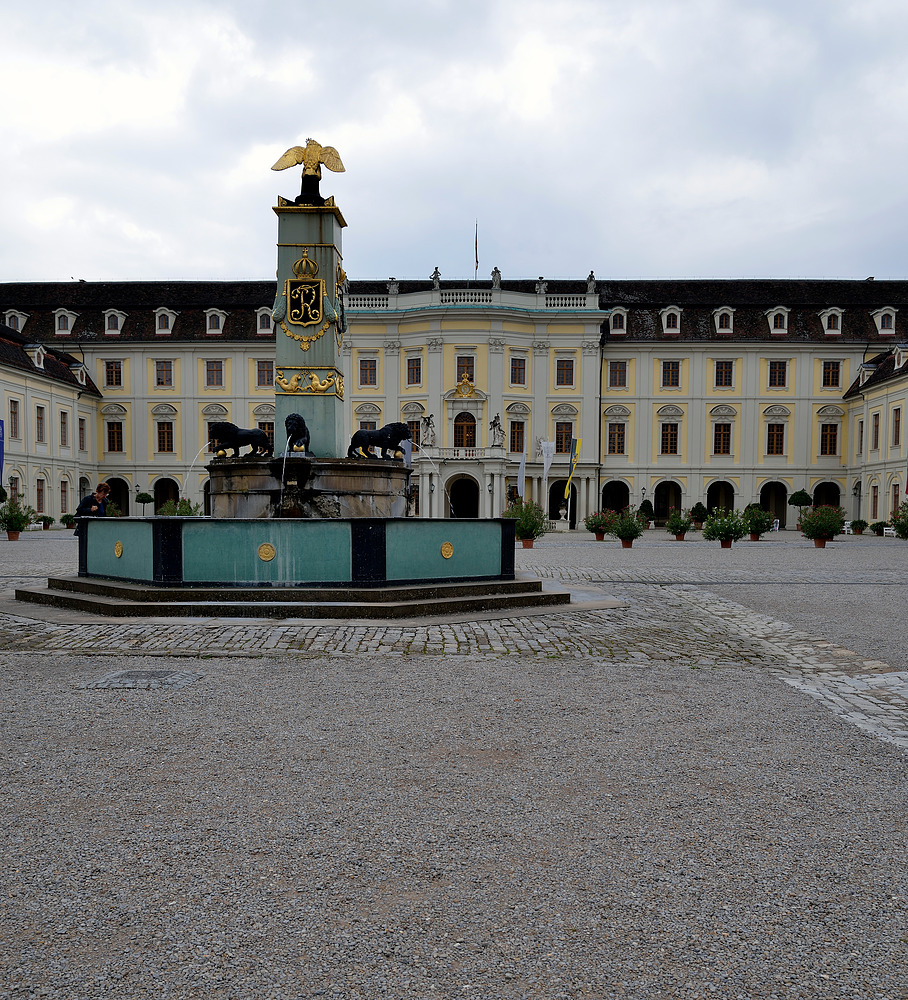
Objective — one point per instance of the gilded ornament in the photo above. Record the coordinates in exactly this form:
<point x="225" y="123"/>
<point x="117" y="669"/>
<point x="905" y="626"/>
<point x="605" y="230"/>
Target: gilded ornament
<point x="267" y="552"/>
<point x="447" y="550"/>
<point x="118" y="549"/>
<point x="464" y="387"/>
<point x="311" y="156"/>
<point x="332" y="384"/>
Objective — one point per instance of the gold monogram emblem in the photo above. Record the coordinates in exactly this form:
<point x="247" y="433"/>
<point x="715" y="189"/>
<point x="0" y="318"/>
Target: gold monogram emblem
<point x="447" y="550"/>
<point x="267" y="552"/>
<point x="118" y="549"/>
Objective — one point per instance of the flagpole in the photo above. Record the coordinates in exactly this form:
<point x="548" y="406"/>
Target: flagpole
<point x="476" y="250"/>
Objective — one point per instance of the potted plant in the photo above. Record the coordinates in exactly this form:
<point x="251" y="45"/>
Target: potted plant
<point x="14" y="517"/>
<point x="530" y="518"/>
<point x="143" y="499"/>
<point x="68" y="520"/>
<point x="899" y="520"/>
<point x="822" y="524"/>
<point x="179" y="508"/>
<point x="45" y="520"/>
<point x="698" y="514"/>
<point x="112" y="510"/>
<point x="645" y="510"/>
<point x="724" y="526"/>
<point x="878" y="526"/>
<point x="757" y="520"/>
<point x="859" y="526"/>
<point x="678" y="524"/>
<point x="627" y="526"/>
<point x="598" y="523"/>
<point x="800" y="499"/>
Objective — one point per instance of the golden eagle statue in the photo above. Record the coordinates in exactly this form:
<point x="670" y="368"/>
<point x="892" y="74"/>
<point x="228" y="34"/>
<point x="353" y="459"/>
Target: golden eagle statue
<point x="312" y="155"/>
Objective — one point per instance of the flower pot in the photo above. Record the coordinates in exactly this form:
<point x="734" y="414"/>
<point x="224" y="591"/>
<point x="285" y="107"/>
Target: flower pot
<point x="755" y="536"/>
<point x="627" y="543"/>
<point x="680" y="538"/>
<point x="725" y="543"/>
<point x="527" y="543"/>
<point x="858" y="531"/>
<point x="600" y="536"/>
<point x="13" y="536"/>
<point x="819" y="543"/>
<point x="698" y="525"/>
<point x="45" y="527"/>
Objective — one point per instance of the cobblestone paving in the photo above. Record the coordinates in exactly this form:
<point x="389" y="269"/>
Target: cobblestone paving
<point x="668" y="617"/>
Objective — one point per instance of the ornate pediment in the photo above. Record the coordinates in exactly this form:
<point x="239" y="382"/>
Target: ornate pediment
<point x="723" y="410"/>
<point x="114" y="410"/>
<point x="830" y="411"/>
<point x="565" y="410"/>
<point x="264" y="410"/>
<point x="518" y="409"/>
<point x="670" y="410"/>
<point x="777" y="410"/>
<point x="367" y="410"/>
<point x="214" y="410"/>
<point x="164" y="410"/>
<point x="414" y="408"/>
<point x="617" y="410"/>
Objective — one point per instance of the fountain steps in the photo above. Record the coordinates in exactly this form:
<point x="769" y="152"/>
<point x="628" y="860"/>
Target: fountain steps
<point x="118" y="599"/>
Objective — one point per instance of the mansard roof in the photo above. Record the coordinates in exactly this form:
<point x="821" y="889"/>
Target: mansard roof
<point x="884" y="370"/>
<point x="56" y="363"/>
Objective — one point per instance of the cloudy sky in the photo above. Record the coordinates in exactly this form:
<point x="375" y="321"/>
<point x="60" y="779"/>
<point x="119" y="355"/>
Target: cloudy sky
<point x="653" y="138"/>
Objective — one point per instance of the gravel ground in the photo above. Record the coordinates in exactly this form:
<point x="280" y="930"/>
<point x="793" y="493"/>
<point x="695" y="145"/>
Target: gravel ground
<point x="483" y="825"/>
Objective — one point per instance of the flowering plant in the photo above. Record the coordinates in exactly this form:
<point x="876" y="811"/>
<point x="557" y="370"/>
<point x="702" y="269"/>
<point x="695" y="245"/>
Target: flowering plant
<point x="600" y="521"/>
<point x="822" y="522"/>
<point x="626" y="526"/>
<point x="530" y="518"/>
<point x="724" y="525"/>
<point x="678" y="522"/>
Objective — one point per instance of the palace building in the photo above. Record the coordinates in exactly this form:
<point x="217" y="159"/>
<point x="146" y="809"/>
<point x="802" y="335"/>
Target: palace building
<point x="721" y="391"/>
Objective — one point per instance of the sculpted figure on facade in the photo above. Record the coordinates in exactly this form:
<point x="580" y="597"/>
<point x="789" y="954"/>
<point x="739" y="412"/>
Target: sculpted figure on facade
<point x="496" y="278"/>
<point x="497" y="431"/>
<point x="436" y="278"/>
<point x="428" y="431"/>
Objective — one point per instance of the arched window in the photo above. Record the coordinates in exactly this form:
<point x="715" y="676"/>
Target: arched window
<point x="464" y="430"/>
<point x="214" y="322"/>
<point x="724" y="321"/>
<point x="163" y="322"/>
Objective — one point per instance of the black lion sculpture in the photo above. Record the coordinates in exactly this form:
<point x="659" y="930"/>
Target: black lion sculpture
<point x="229" y="435"/>
<point x="297" y="432"/>
<point x="386" y="439"/>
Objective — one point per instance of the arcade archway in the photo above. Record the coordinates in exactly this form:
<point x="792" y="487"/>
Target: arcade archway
<point x="615" y="495"/>
<point x="164" y="490"/>
<point x="119" y="494"/>
<point x="720" y="494"/>
<point x="666" y="496"/>
<point x="827" y="494"/>
<point x="464" y="496"/>
<point x="774" y="498"/>
<point x="557" y="501"/>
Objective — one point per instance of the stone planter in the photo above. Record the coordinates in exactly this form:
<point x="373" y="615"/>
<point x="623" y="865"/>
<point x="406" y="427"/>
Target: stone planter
<point x="13" y="536"/>
<point x="627" y="543"/>
<point x="599" y="535"/>
<point x="725" y="543"/>
<point x="527" y="543"/>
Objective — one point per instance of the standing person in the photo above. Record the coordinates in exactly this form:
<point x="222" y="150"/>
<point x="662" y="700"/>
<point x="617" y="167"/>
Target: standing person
<point x="94" y="505"/>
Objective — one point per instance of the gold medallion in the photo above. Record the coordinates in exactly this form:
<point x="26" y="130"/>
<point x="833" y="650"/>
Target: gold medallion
<point x="447" y="550"/>
<point x="118" y="549"/>
<point x="267" y="552"/>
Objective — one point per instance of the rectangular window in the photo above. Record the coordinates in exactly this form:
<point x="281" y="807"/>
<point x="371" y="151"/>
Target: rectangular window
<point x="14" y="487"/>
<point x="268" y="427"/>
<point x="616" y="439"/>
<point x="113" y="374"/>
<point x="669" y="439"/>
<point x="114" y="435"/>
<point x="671" y="374"/>
<point x="775" y="439"/>
<point x="875" y="502"/>
<point x="725" y="371"/>
<point x="829" y="439"/>
<point x="368" y="371"/>
<point x="860" y="437"/>
<point x="897" y="427"/>
<point x="466" y="366"/>
<point x="64" y="496"/>
<point x="778" y="372"/>
<point x="64" y="429"/>
<point x="875" y="433"/>
<point x="831" y="374"/>
<point x="415" y="429"/>
<point x="163" y="374"/>
<point x="894" y="500"/>
<point x="515" y="436"/>
<point x="722" y="439"/>
<point x="14" y="418"/>
<point x="564" y="371"/>
<point x="212" y="440"/>
<point x="39" y="496"/>
<point x="40" y="429"/>
<point x="165" y="435"/>
<point x="617" y="374"/>
<point x="368" y="425"/>
<point x="83" y="434"/>
<point x="518" y="371"/>
<point x="214" y="374"/>
<point x="264" y="374"/>
<point x="564" y="434"/>
<point x="414" y="370"/>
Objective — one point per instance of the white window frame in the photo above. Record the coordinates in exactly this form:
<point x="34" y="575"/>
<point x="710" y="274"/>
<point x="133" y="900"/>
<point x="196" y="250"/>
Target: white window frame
<point x="824" y="319"/>
<point x="770" y="314"/>
<point x="70" y="317"/>
<point x="120" y="318"/>
<point x="878" y="315"/>
<point x="730" y="329"/>
<point x="664" y="314"/>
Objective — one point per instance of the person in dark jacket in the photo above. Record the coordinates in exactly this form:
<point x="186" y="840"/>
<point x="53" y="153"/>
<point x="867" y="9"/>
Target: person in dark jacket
<point x="94" y="505"/>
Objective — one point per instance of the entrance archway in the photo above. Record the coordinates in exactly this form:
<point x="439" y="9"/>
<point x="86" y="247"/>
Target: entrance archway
<point x="464" y="494"/>
<point x="827" y="494"/>
<point x="615" y="495"/>
<point x="774" y="498"/>
<point x="119" y="493"/>
<point x="464" y="430"/>
<point x="666" y="496"/>
<point x="556" y="501"/>
<point x="164" y="490"/>
<point x="720" y="494"/>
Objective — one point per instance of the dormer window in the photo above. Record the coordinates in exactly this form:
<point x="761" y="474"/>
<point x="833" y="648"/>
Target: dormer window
<point x="832" y="322"/>
<point x="724" y="318"/>
<point x="214" y="321"/>
<point x="778" y="320"/>
<point x="14" y="319"/>
<point x="164" y="321"/>
<point x="671" y="321"/>
<point x="885" y="321"/>
<point x="113" y="322"/>
<point x="37" y="353"/>
<point x="618" y="322"/>
<point x="64" y="321"/>
<point x="265" y="323"/>
<point x="78" y="369"/>
<point x="864" y="372"/>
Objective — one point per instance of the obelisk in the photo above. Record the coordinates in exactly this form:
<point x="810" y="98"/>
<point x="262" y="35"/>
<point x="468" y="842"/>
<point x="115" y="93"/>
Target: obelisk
<point x="308" y="309"/>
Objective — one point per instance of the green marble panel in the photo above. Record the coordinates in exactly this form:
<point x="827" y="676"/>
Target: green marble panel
<point x="136" y="561"/>
<point x="414" y="549"/>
